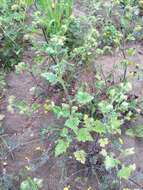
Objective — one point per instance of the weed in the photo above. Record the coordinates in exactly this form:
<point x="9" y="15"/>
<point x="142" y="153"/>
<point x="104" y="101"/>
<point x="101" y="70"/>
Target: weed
<point x="91" y="118"/>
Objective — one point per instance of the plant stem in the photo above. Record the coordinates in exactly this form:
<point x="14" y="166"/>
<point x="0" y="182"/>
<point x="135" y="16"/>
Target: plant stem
<point x="104" y="77"/>
<point x="45" y="89"/>
<point x="125" y="67"/>
<point x="10" y="151"/>
<point x="124" y="56"/>
<point x="37" y="83"/>
<point x="63" y="168"/>
<point x="46" y="39"/>
<point x="8" y="35"/>
<point x="130" y="179"/>
<point x="66" y="92"/>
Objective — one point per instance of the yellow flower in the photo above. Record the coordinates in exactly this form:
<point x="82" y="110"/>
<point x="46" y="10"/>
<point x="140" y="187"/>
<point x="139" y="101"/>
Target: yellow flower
<point x="26" y="158"/>
<point x="85" y="116"/>
<point x="38" y="148"/>
<point x="121" y="141"/>
<point x="89" y="188"/>
<point x="72" y="15"/>
<point x="27" y="167"/>
<point x="47" y="107"/>
<point x="67" y="188"/>
<point x="53" y="5"/>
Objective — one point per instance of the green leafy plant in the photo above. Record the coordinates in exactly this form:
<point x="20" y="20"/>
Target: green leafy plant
<point x="54" y="18"/>
<point x="117" y="28"/>
<point x="11" y="33"/>
<point x="8" y="181"/>
<point x="90" y="115"/>
<point x="2" y="83"/>
<point x="74" y="34"/>
<point x="33" y="184"/>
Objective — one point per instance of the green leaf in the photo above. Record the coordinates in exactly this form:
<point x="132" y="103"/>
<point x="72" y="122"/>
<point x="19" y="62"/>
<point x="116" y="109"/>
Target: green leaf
<point x="139" y="130"/>
<point x="28" y="2"/>
<point x="124" y="106"/>
<point x="11" y="99"/>
<point x="89" y="122"/>
<point x="83" y="97"/>
<point x="130" y="52"/>
<point x="116" y="123"/>
<point x="126" y="171"/>
<point x="64" y="132"/>
<point x="112" y="92"/>
<point x="68" y="138"/>
<point x="99" y="51"/>
<point x="127" y="152"/>
<point x="110" y="162"/>
<point x="49" y="50"/>
<point x="130" y="132"/>
<point x="25" y="185"/>
<point x="34" y="106"/>
<point x="10" y="109"/>
<point x="23" y="107"/>
<point x="31" y="182"/>
<point x="80" y="156"/>
<point x="99" y="127"/>
<point x="140" y="4"/>
<point x="65" y="110"/>
<point x="61" y="147"/>
<point x="117" y="42"/>
<point x="84" y="135"/>
<point x="51" y="77"/>
<point x="73" y="123"/>
<point x="38" y="182"/>
<point x="130" y="37"/>
<point x="104" y="152"/>
<point x="105" y="107"/>
<point x="47" y="107"/>
<point x="57" y="110"/>
<point x="74" y="109"/>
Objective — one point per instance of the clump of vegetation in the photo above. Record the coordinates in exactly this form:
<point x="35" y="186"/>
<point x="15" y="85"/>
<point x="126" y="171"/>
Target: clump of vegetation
<point x="11" y="33"/>
<point x="93" y="114"/>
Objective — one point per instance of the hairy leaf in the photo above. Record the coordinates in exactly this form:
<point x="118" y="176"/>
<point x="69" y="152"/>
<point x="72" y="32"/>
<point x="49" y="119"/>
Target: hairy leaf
<point x="51" y="77"/>
<point x="73" y="123"/>
<point x="127" y="152"/>
<point x="61" y="147"/>
<point x="126" y="171"/>
<point x="84" y="135"/>
<point x="99" y="127"/>
<point x="84" y="97"/>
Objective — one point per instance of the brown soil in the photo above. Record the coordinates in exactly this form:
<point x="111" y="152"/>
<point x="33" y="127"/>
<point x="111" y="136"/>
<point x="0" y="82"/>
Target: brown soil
<point x="21" y="128"/>
<point x="137" y="89"/>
